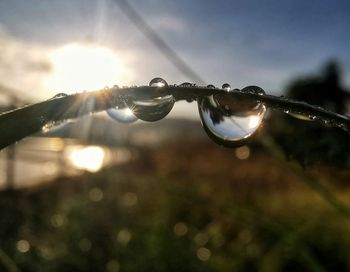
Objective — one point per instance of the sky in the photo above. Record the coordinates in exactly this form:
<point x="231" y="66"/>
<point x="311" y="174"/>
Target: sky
<point x="46" y="45"/>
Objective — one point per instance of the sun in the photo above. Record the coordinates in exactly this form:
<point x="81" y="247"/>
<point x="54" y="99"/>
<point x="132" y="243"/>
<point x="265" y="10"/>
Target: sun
<point x="77" y="67"/>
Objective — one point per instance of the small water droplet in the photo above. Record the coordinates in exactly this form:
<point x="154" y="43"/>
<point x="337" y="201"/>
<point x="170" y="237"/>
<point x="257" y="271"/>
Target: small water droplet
<point x="254" y="90"/>
<point x="229" y="121"/>
<point x="115" y="86"/>
<point x="226" y="87"/>
<point x="187" y="84"/>
<point x="158" y="82"/>
<point x="301" y="116"/>
<point x="54" y="126"/>
<point x="211" y="86"/>
<point x="122" y="114"/>
<point x="60" y="95"/>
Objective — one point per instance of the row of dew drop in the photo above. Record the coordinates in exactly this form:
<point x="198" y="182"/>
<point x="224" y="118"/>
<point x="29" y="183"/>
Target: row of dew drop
<point x="226" y="120"/>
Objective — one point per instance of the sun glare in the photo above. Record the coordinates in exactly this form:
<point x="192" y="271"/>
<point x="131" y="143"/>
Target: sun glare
<point x="77" y="67"/>
<point x="88" y="158"/>
<point x="254" y="121"/>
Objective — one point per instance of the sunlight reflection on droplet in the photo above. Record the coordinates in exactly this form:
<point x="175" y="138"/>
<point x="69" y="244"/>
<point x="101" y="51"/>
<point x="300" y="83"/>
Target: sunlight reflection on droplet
<point x="254" y="121"/>
<point x="88" y="158"/>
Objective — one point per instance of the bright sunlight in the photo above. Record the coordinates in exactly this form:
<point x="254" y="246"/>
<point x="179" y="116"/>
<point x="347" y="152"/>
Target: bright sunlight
<point x="77" y="67"/>
<point x="88" y="158"/>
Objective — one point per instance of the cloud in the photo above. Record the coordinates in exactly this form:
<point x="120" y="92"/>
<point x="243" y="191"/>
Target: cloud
<point x="23" y="65"/>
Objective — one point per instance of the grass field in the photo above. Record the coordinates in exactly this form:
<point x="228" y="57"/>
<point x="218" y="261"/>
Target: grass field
<point x="187" y="206"/>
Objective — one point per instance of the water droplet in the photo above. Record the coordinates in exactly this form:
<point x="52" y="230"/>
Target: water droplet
<point x="60" y="95"/>
<point x="187" y="84"/>
<point x="54" y="126"/>
<point x="158" y="82"/>
<point x="229" y="121"/>
<point x="211" y="86"/>
<point x="226" y="87"/>
<point x="122" y="114"/>
<point x="301" y="116"/>
<point x="153" y="109"/>
<point x="253" y="90"/>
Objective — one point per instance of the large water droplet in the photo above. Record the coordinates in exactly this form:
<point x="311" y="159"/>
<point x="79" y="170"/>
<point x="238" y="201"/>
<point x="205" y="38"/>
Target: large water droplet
<point x="226" y="87"/>
<point x="153" y="109"/>
<point x="158" y="82"/>
<point x="59" y="95"/>
<point x="211" y="86"/>
<point x="122" y="114"/>
<point x="253" y="90"/>
<point x="229" y="121"/>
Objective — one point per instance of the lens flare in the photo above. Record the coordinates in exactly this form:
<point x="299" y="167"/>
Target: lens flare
<point x="77" y="67"/>
<point x="88" y="158"/>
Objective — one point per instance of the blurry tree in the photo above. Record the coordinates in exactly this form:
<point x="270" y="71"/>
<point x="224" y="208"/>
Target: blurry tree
<point x="325" y="90"/>
<point x="308" y="141"/>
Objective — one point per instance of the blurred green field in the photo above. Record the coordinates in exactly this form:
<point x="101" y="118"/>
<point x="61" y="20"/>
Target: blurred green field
<point x="188" y="206"/>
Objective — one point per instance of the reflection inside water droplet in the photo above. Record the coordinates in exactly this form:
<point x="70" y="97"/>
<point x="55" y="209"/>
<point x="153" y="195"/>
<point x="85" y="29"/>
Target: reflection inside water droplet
<point x="253" y="90"/>
<point x="304" y="117"/>
<point x="187" y="84"/>
<point x="229" y="121"/>
<point x="152" y="109"/>
<point x="122" y="114"/>
<point x="59" y="95"/>
<point x="158" y="82"/>
<point x="155" y="108"/>
<point x="55" y="126"/>
<point x="226" y="87"/>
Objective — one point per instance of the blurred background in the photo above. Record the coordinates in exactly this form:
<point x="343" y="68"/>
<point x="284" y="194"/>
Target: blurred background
<point x="97" y="195"/>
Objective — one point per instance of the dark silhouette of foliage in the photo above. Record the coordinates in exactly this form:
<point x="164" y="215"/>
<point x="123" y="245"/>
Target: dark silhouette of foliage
<point x="307" y="141"/>
<point x="324" y="90"/>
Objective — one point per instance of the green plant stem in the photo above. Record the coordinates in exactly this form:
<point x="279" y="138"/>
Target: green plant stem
<point x="22" y="122"/>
